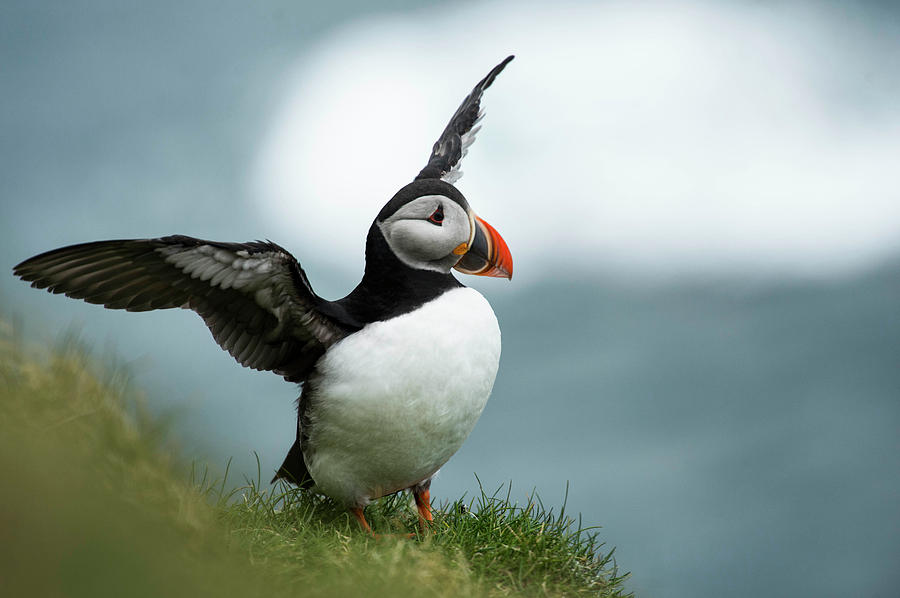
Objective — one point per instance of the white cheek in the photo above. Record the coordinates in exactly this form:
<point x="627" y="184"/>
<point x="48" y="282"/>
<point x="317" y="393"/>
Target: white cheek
<point x="422" y="240"/>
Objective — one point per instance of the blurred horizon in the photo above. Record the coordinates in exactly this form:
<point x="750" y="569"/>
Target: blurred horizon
<point x="702" y="336"/>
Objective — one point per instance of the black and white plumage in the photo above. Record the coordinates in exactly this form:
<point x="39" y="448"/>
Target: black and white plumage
<point x="394" y="375"/>
<point x="459" y="134"/>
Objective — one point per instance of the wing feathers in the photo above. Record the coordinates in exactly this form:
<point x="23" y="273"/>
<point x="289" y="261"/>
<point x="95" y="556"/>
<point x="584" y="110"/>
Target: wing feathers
<point x="254" y="297"/>
<point x="460" y="132"/>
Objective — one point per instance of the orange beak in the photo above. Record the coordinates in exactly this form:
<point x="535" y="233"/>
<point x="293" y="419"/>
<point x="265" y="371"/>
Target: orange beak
<point x="488" y="254"/>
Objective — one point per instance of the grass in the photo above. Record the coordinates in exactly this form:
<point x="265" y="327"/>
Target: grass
<point x="96" y="502"/>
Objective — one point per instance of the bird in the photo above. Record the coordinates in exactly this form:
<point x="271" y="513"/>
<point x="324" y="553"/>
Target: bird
<point x="392" y="377"/>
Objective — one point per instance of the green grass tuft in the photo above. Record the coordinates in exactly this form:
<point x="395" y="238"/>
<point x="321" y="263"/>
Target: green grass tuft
<point x="96" y="502"/>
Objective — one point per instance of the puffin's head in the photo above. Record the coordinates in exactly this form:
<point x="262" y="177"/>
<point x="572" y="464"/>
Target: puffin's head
<point x="429" y="225"/>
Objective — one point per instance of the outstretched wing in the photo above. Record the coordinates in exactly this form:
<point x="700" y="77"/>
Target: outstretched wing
<point x="454" y="142"/>
<point x="254" y="297"/>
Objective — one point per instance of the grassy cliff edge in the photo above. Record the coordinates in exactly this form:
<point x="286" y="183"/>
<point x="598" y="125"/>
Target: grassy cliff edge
<point x="96" y="502"/>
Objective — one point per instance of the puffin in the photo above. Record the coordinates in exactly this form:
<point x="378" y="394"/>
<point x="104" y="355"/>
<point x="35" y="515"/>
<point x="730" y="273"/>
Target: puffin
<point x="393" y="377"/>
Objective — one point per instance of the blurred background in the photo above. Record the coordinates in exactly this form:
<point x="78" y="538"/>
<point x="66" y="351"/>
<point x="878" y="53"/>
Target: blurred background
<point x="702" y="200"/>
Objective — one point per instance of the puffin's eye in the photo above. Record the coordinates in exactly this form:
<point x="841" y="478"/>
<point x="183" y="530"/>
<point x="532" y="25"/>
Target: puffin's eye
<point x="438" y="216"/>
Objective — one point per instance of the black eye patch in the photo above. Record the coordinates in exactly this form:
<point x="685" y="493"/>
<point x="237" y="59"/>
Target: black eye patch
<point x="437" y="217"/>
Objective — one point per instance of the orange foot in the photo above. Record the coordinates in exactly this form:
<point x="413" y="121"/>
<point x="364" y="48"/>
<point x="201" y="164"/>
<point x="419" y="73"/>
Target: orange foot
<point x="360" y="516"/>
<point x="358" y="512"/>
<point x="423" y="504"/>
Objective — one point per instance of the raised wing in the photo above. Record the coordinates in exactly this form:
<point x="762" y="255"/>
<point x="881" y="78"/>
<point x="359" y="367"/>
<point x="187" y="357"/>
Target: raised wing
<point x="254" y="297"/>
<point x="454" y="142"/>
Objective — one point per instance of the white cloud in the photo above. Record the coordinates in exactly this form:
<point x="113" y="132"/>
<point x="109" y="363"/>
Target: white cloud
<point x="655" y="137"/>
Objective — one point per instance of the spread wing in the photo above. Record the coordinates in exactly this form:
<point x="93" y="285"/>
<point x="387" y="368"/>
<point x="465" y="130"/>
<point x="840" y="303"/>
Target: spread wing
<point x="254" y="297"/>
<point x="454" y="142"/>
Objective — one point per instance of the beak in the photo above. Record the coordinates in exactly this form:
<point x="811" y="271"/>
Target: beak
<point x="487" y="254"/>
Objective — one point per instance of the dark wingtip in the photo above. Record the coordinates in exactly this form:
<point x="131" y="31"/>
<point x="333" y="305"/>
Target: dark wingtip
<point x="486" y="82"/>
<point x="503" y="64"/>
<point x="23" y="271"/>
<point x="447" y="151"/>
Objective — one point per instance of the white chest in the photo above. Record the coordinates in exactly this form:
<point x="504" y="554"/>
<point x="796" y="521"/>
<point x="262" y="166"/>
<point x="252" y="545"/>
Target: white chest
<point x="394" y="401"/>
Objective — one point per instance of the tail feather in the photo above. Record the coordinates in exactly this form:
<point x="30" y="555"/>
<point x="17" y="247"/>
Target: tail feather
<point x="294" y="469"/>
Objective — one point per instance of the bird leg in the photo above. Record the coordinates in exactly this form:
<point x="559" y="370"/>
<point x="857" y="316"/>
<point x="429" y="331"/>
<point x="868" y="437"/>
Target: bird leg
<point x="423" y="504"/>
<point x="358" y="513"/>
